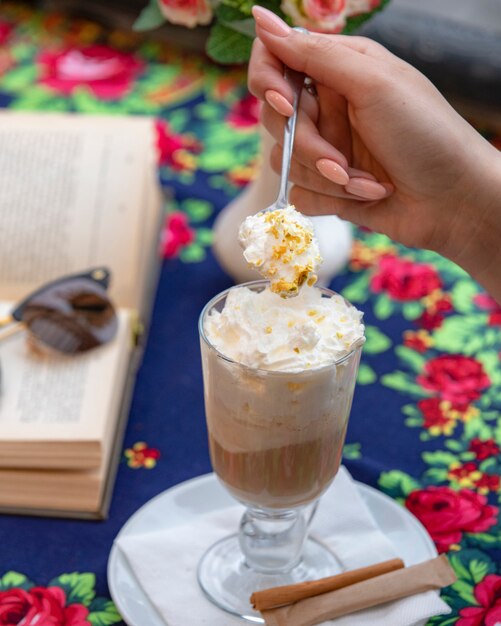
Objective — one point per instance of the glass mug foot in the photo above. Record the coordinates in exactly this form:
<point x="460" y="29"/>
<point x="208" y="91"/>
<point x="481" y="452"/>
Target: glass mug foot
<point x="228" y="582"/>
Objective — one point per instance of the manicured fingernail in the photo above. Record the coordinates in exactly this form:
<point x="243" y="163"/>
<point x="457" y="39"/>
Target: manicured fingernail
<point x="333" y="171"/>
<point x="278" y="102"/>
<point x="270" y="22"/>
<point x="365" y="188"/>
<point x="354" y="173"/>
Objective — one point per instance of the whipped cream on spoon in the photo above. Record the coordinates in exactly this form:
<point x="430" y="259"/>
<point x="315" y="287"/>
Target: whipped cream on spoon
<point x="279" y="241"/>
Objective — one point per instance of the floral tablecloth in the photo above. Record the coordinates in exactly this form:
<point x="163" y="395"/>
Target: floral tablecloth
<point x="426" y="421"/>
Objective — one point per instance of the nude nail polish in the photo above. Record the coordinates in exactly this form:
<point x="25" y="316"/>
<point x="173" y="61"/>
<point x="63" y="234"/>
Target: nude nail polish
<point x="365" y="188"/>
<point x="278" y="102"/>
<point x="333" y="171"/>
<point x="270" y="22"/>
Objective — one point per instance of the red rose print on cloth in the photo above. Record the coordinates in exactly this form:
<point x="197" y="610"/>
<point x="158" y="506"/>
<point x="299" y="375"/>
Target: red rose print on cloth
<point x="488" y="595"/>
<point x="457" y="378"/>
<point x="447" y="514"/>
<point x="177" y="235"/>
<point x="40" y="606"/>
<point x="5" y="31"/>
<point x="245" y="113"/>
<point x="436" y="418"/>
<point x="419" y="340"/>
<point x="175" y="150"/>
<point x="484" y="449"/>
<point x="487" y="303"/>
<point x="404" y="280"/>
<point x="107" y="72"/>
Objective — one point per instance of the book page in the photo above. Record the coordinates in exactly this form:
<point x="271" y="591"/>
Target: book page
<point x="50" y="397"/>
<point x="72" y="197"/>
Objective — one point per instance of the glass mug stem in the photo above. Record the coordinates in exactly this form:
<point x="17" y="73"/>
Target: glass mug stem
<point x="272" y="541"/>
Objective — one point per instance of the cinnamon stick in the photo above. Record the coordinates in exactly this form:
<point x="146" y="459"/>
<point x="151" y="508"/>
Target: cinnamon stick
<point x="288" y="594"/>
<point x="432" y="574"/>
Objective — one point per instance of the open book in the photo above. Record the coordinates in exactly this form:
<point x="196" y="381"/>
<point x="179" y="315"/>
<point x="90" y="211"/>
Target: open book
<point x="76" y="192"/>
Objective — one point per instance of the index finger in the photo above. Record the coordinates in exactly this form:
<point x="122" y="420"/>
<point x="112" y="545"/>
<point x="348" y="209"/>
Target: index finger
<point x="266" y="72"/>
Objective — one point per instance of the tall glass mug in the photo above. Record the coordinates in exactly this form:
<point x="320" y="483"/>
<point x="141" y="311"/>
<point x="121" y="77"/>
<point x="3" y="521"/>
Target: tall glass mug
<point x="276" y="440"/>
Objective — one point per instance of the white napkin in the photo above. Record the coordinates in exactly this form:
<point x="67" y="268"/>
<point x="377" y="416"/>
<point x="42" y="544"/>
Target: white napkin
<point x="165" y="562"/>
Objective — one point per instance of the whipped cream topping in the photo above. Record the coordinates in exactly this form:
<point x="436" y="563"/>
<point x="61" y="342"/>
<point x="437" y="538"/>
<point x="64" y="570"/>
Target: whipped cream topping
<point x="281" y="245"/>
<point x="262" y="331"/>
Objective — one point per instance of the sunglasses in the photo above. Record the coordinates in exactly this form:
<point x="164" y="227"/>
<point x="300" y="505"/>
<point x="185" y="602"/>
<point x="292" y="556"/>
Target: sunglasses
<point x="72" y="314"/>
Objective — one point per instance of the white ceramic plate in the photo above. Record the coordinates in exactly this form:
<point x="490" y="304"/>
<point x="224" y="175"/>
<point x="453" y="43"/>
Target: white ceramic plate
<point x="203" y="494"/>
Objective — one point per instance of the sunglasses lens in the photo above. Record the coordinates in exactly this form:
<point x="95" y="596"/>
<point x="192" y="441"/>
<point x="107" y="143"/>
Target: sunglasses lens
<point x="72" y="316"/>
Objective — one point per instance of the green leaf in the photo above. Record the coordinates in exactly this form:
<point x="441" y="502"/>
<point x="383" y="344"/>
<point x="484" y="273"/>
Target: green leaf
<point x="207" y="111"/>
<point x="19" y="78"/>
<point x="358" y="290"/>
<point x="435" y="475"/>
<point x="14" y="579"/>
<point x="465" y="591"/>
<point x="366" y="375"/>
<point x="79" y="588"/>
<point x="244" y="27"/>
<point x="401" y="381"/>
<point x="376" y="341"/>
<point x="352" y="451"/>
<point x="230" y="13"/>
<point x="228" y="46"/>
<point x="103" y="613"/>
<point x="194" y="253"/>
<point x="354" y="22"/>
<point x="150" y="17"/>
<point x="440" y="622"/>
<point x="462" y="294"/>
<point x="411" y="358"/>
<point x="476" y="428"/>
<point x="439" y="458"/>
<point x="472" y="565"/>
<point x="414" y="421"/>
<point x="383" y="308"/>
<point x="412" y="310"/>
<point x="461" y="334"/>
<point x="205" y="236"/>
<point x="454" y="445"/>
<point x="483" y="539"/>
<point x="397" y="484"/>
<point x="411" y="410"/>
<point x="467" y="456"/>
<point x="490" y="361"/>
<point x="198" y="210"/>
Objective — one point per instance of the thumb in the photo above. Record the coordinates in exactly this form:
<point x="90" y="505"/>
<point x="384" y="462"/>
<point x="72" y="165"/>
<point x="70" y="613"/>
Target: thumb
<point x="328" y="59"/>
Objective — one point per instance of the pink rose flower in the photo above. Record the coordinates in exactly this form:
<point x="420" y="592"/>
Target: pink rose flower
<point x="107" y="72"/>
<point x="186" y="12"/>
<point x="327" y="16"/>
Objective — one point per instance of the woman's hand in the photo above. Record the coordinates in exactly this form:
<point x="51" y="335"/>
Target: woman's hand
<point x="378" y="145"/>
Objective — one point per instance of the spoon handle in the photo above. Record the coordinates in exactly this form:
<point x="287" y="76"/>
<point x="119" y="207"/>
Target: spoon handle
<point x="296" y="82"/>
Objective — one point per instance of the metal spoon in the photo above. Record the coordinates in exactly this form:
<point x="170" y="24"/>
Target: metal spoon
<point x="296" y="81"/>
